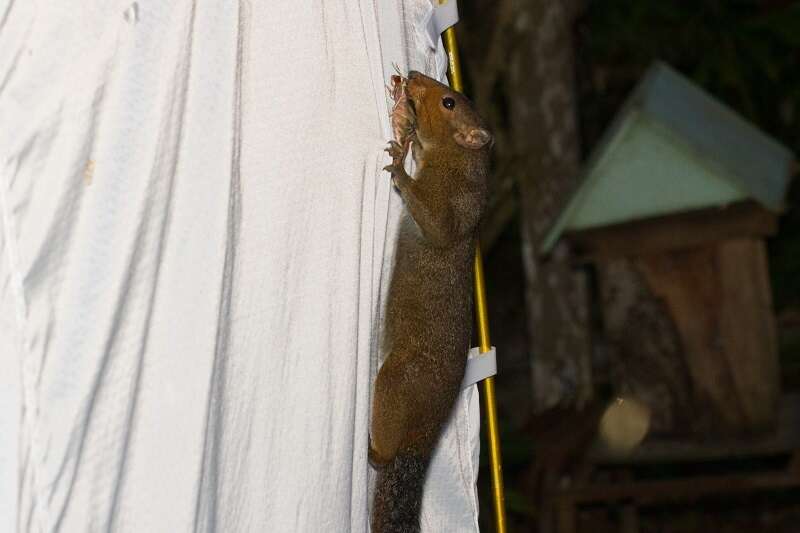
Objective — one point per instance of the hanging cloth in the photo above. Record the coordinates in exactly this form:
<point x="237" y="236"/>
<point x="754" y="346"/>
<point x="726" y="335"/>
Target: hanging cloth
<point x="195" y="241"/>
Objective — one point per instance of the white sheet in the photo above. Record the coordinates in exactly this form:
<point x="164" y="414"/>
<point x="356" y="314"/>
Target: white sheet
<point x="195" y="237"/>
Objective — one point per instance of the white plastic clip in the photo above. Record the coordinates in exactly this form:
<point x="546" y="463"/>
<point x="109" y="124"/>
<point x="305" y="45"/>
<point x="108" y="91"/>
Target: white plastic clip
<point x="443" y="15"/>
<point x="479" y="366"/>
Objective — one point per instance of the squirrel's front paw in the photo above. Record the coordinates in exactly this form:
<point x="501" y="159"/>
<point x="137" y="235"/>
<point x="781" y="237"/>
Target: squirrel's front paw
<point x="399" y="174"/>
<point x="394" y="169"/>
<point x="396" y="150"/>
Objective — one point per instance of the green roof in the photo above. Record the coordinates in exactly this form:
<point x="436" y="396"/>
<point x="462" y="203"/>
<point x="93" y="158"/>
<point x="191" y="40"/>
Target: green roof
<point x="674" y="148"/>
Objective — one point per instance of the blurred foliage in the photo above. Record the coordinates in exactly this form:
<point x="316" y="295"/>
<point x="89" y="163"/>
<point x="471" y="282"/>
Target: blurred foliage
<point x="744" y="52"/>
<point x="784" y="252"/>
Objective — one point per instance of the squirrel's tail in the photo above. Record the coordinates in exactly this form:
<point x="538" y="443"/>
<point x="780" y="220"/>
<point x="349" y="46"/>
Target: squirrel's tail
<point x="398" y="495"/>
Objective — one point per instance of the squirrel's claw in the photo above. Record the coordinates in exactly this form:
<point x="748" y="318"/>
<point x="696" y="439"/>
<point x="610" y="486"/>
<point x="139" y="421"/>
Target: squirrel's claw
<point x="395" y="149"/>
<point x="398" y="173"/>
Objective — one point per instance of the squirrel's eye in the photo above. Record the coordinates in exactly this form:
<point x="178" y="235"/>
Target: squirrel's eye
<point x="448" y="102"/>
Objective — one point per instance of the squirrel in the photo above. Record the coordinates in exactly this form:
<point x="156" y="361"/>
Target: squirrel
<point x="428" y="322"/>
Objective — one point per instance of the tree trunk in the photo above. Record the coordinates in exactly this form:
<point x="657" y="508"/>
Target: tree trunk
<point x="646" y="351"/>
<point x="541" y="89"/>
<point x="520" y="72"/>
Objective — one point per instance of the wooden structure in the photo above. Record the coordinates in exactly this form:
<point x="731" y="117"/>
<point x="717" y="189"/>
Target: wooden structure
<point x="685" y="191"/>
<point x="625" y="484"/>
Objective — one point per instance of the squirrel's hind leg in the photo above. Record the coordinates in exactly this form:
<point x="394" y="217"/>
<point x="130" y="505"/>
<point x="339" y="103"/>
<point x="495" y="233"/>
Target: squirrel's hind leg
<point x="389" y="412"/>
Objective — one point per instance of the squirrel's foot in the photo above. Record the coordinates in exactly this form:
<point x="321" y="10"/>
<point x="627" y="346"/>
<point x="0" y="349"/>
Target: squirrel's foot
<point x="377" y="462"/>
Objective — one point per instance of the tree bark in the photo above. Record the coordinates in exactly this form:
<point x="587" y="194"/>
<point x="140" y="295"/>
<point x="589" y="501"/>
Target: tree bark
<point x="519" y="59"/>
<point x="520" y="66"/>
<point x="646" y="350"/>
<point x="542" y="94"/>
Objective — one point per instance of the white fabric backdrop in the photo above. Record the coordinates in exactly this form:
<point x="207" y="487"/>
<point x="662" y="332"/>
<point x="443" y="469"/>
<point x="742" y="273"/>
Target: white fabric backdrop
<point x="195" y="236"/>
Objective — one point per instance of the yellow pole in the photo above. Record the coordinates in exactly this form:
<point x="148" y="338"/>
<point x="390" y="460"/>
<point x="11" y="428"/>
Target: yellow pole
<point x="482" y="318"/>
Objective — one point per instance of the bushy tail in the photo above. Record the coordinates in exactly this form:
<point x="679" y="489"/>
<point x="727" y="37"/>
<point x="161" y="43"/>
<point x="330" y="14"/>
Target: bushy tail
<point x="398" y="495"/>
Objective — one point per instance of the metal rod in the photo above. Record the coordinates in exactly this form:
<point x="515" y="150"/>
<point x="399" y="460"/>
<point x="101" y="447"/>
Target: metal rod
<point x="482" y="319"/>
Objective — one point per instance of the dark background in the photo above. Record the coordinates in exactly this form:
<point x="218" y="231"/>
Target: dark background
<point x="745" y="53"/>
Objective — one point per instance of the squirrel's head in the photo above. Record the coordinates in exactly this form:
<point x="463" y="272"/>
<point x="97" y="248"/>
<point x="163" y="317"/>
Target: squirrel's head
<point x="443" y="114"/>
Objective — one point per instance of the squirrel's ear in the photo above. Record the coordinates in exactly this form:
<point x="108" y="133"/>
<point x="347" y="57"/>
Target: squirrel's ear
<point x="474" y="139"/>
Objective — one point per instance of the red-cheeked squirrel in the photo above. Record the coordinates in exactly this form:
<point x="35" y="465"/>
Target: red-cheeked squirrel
<point x="429" y="307"/>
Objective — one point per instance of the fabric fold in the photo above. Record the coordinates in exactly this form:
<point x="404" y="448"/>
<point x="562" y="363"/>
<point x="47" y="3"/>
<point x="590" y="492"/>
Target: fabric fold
<point x="196" y="239"/>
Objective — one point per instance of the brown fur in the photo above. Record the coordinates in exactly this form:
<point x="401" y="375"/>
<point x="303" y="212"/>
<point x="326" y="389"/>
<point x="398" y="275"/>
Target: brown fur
<point x="429" y="310"/>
